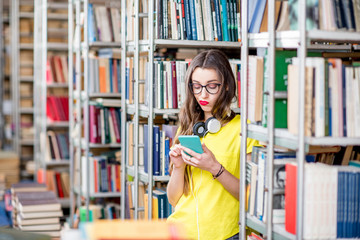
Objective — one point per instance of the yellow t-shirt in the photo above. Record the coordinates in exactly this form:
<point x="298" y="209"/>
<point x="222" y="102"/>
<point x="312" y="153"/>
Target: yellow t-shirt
<point x="209" y="209"/>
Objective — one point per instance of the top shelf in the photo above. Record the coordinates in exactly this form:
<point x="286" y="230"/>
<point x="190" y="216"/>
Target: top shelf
<point x="291" y="39"/>
<point x="171" y="43"/>
<point x="285" y="139"/>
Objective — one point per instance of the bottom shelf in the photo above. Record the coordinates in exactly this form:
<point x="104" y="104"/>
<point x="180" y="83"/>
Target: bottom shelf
<point x="279" y="231"/>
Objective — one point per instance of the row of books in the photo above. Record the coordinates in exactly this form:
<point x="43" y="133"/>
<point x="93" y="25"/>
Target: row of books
<point x="104" y="174"/>
<point x="331" y="201"/>
<point x="331" y="98"/>
<point x="129" y="79"/>
<point x="57" y="146"/>
<point x="57" y="108"/>
<point x="161" y="208"/>
<point x="105" y="71"/>
<point x="35" y="209"/>
<point x="210" y="20"/>
<point x="57" y="69"/>
<point x="104" y="23"/>
<point x="257" y="180"/>
<point x="333" y="89"/>
<point x="328" y="15"/>
<point x="100" y="211"/>
<point x="105" y="124"/>
<point x="162" y="141"/>
<point x="169" y="84"/>
<point x="57" y="181"/>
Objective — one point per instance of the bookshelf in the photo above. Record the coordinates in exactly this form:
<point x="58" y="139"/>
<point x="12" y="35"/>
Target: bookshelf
<point x="136" y="44"/>
<point x="51" y="101"/>
<point x="92" y="103"/>
<point x="304" y="41"/>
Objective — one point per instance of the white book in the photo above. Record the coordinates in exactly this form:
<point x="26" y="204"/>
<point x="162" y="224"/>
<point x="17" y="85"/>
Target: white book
<point x="356" y="94"/>
<point x="45" y="227"/>
<point x="116" y="24"/>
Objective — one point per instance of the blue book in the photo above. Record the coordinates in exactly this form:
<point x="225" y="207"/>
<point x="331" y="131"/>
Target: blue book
<point x="340" y="202"/>
<point x="162" y="203"/>
<point x="224" y="20"/>
<point x="187" y="20"/>
<point x="104" y="187"/>
<point x="218" y="19"/>
<point x="111" y="75"/>
<point x="257" y="16"/>
<point x="146" y="147"/>
<point x="193" y="20"/>
<point x="344" y="100"/>
<point x="167" y="157"/>
<point x="119" y="75"/>
<point x="156" y="150"/>
<point x="91" y="24"/>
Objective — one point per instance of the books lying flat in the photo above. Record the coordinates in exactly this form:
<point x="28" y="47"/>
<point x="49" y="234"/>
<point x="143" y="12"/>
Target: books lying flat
<point x="36" y="221"/>
<point x="42" y="205"/>
<point x="35" y="195"/>
<point x="28" y="187"/>
<point x="43" y="227"/>
<point x="28" y="215"/>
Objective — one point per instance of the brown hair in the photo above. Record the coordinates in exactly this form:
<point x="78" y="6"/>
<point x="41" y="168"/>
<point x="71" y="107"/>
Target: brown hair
<point x="191" y="112"/>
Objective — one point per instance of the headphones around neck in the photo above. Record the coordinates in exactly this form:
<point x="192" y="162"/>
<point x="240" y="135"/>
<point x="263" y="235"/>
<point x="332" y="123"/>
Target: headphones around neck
<point x="211" y="125"/>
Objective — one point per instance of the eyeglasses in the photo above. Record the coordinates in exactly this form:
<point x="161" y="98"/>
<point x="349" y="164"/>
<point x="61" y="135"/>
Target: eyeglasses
<point x="212" y="88"/>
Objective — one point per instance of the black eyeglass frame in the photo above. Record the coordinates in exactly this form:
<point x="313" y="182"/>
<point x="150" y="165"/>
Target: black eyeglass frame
<point x="204" y="86"/>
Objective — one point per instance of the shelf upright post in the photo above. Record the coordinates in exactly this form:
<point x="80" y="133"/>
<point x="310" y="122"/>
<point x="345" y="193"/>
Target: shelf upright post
<point x="136" y="102"/>
<point x="270" y="116"/>
<point x="2" y="121"/>
<point x="85" y="54"/>
<point x="77" y="130"/>
<point x="71" y="104"/>
<point x="150" y="94"/>
<point x="37" y="82"/>
<point x="15" y="73"/>
<point x="43" y="73"/>
<point x="123" y="107"/>
<point x="244" y="109"/>
<point x="301" y="149"/>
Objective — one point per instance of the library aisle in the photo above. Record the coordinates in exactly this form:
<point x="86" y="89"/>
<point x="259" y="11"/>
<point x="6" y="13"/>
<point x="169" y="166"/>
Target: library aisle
<point x="93" y="94"/>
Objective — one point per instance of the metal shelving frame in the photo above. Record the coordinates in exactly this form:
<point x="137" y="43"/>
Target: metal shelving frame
<point x="41" y="48"/>
<point x="2" y="120"/>
<point x="301" y="40"/>
<point x="79" y="100"/>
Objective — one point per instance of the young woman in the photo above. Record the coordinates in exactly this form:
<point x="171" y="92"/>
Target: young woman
<point x="204" y="188"/>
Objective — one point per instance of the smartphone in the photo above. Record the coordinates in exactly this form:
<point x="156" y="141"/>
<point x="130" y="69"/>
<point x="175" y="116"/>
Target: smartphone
<point x="192" y="142"/>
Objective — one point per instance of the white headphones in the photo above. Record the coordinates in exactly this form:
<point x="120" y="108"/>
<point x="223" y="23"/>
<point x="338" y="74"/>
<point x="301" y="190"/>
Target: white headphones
<point x="211" y="125"/>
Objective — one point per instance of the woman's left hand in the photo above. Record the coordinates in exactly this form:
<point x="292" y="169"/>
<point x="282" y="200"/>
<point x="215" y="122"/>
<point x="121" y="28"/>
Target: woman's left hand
<point x="205" y="161"/>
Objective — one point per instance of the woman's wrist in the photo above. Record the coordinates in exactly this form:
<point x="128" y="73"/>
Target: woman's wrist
<point x="215" y="169"/>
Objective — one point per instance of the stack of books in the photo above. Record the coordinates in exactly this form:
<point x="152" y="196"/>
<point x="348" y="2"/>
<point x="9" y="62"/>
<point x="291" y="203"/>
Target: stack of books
<point x="35" y="209"/>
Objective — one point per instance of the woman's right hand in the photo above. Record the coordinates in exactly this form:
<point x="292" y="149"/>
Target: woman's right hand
<point x="175" y="156"/>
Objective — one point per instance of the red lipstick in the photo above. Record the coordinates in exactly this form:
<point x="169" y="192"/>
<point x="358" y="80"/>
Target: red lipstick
<point x="203" y="103"/>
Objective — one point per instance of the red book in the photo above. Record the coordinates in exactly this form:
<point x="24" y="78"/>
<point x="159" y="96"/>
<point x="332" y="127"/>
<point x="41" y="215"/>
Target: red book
<point x="239" y="88"/>
<point x="93" y="125"/>
<point x="115" y="124"/>
<point x="110" y="186"/>
<point x="290" y="197"/>
<point x="58" y="184"/>
<point x="174" y="85"/>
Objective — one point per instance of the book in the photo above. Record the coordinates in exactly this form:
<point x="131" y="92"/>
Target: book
<point x="38" y="205"/>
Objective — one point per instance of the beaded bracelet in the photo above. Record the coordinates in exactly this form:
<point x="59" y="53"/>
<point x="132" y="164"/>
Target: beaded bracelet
<point x="222" y="169"/>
